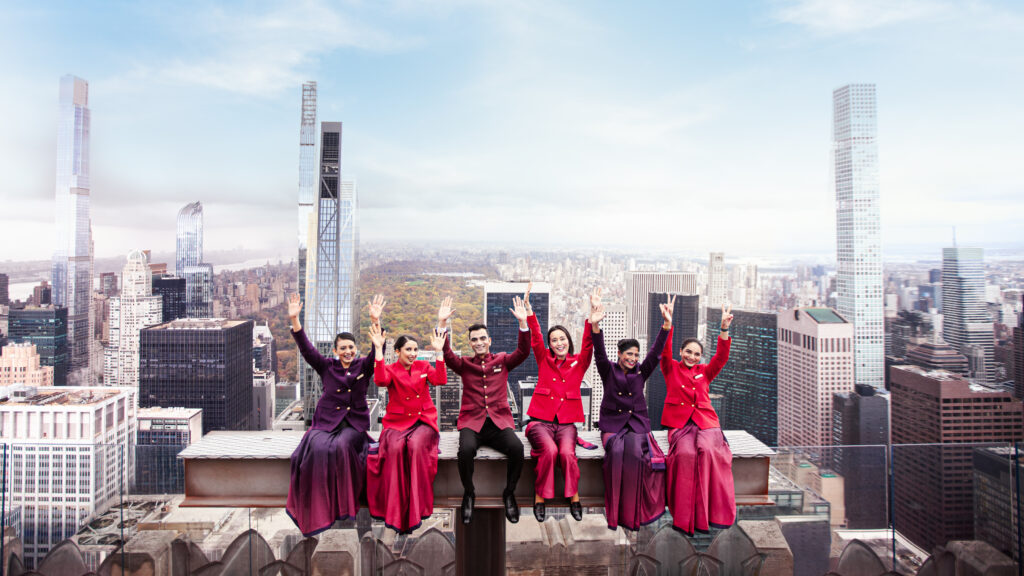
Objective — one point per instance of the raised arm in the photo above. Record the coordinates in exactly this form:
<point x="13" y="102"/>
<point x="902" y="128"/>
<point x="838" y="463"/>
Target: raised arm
<point x="522" y="351"/>
<point x="438" y="375"/>
<point x="666" y="353"/>
<point x="381" y="376"/>
<point x="722" y="349"/>
<point x="536" y="338"/>
<point x="651" y="360"/>
<point x="312" y="356"/>
<point x="600" y="352"/>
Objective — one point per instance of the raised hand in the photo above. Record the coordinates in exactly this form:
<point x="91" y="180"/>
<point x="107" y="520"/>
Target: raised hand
<point x="667" y="308"/>
<point x="526" y="299"/>
<point x="445" y="311"/>
<point x="518" y="309"/>
<point x="294" y="305"/>
<point x="376" y="307"/>
<point x="726" y="315"/>
<point x="378" y="336"/>
<point x="596" y="313"/>
<point x="595" y="298"/>
<point x="437" y="339"/>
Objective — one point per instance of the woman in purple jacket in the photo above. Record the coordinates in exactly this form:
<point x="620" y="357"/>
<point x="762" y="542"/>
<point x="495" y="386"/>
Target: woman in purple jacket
<point x="634" y="465"/>
<point x="329" y="465"/>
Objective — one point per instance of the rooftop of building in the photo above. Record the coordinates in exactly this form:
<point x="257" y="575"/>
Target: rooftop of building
<point x="21" y="395"/>
<point x="825" y="316"/>
<point x="173" y="412"/>
<point x="946" y="376"/>
<point x="198" y="324"/>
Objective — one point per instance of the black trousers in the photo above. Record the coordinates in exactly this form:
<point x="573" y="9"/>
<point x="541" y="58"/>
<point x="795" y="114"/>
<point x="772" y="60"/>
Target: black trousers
<point x="502" y="440"/>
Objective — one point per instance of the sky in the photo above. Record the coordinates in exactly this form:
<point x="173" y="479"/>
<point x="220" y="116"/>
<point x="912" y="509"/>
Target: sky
<point x="680" y="126"/>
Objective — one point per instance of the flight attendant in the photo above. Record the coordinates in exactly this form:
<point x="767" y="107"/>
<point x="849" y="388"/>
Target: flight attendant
<point x="634" y="465"/>
<point x="329" y="465"/>
<point x="400" y="476"/>
<point x="700" y="485"/>
<point x="555" y="408"/>
<point x="485" y="418"/>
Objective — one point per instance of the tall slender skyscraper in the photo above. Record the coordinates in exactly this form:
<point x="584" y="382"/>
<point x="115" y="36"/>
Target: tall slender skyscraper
<point x="72" y="258"/>
<point x="858" y="227"/>
<point x="967" y="325"/>
<point x="718" y="280"/>
<point x="337" y="258"/>
<point x="307" y="184"/>
<point x="188" y="262"/>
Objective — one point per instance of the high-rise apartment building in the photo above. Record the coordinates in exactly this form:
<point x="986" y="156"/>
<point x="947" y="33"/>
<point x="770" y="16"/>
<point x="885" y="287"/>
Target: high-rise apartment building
<point x="614" y="328"/>
<point x="5" y="297"/>
<point x="307" y="187"/>
<point x="71" y="456"/>
<point x="130" y="312"/>
<point x="162" y="434"/>
<point x="1018" y="357"/>
<point x="938" y="415"/>
<point x="860" y="434"/>
<point x="748" y="384"/>
<point x="996" y="499"/>
<point x="42" y="295"/>
<point x="73" y="257"/>
<point x="188" y="262"/>
<point x="333" y="307"/>
<point x="686" y="317"/>
<point x="171" y="290"/>
<point x="19" y="364"/>
<point x="718" y="280"/>
<point x="640" y="284"/>
<point x="264" y="350"/>
<point x="503" y="328"/>
<point x="199" y="363"/>
<point x="108" y="283"/>
<point x="967" y="325"/>
<point x="47" y="328"/>
<point x="815" y="350"/>
<point x="859" y="291"/>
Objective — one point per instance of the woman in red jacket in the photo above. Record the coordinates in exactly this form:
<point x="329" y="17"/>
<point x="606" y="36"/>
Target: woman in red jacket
<point x="555" y="407"/>
<point x="400" y="476"/>
<point x="700" y="487"/>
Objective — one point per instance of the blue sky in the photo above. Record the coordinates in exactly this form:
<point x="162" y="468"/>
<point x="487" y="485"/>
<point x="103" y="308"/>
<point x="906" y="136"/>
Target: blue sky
<point x="685" y="126"/>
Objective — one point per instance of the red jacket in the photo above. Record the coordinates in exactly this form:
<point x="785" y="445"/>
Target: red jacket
<point x="688" y="390"/>
<point x="485" y="384"/>
<point x="558" y="383"/>
<point x="408" y="394"/>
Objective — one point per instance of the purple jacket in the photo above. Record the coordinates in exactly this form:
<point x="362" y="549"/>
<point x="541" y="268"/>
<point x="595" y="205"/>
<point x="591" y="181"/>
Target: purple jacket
<point x="624" y="403"/>
<point x="344" y="394"/>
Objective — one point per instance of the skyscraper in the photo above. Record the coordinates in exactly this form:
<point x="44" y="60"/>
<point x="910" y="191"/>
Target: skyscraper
<point x="47" y="328"/>
<point x="859" y="296"/>
<point x="162" y="434"/>
<point x="188" y="262"/>
<point x="685" y="323"/>
<point x="19" y="364"/>
<point x="130" y="312"/>
<point x="307" y="185"/>
<point x="939" y="415"/>
<point x="333" y="308"/>
<point x="73" y="258"/>
<point x="640" y="284"/>
<point x="1018" y="357"/>
<point x="748" y="384"/>
<point x="5" y="298"/>
<point x="718" y="280"/>
<point x="172" y="290"/>
<point x="815" y="362"/>
<point x="860" y="430"/>
<point x="199" y="363"/>
<point x="503" y="328"/>
<point x="967" y="323"/>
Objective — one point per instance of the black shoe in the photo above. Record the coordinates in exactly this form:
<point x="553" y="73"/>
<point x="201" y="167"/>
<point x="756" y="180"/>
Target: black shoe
<point x="511" y="507"/>
<point x="539" y="511"/>
<point x="467" y="507"/>
<point x="576" y="509"/>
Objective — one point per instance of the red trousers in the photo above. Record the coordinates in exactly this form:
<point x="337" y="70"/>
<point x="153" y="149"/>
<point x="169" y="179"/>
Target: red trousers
<point x="552" y="443"/>
<point x="400" y="477"/>
<point x="700" y="487"/>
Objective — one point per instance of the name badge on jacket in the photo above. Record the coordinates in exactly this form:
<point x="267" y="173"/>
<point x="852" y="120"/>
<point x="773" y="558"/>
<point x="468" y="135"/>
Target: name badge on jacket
<point x="698" y="376"/>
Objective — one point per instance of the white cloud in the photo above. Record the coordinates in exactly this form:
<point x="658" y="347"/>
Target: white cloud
<point x="845" y="16"/>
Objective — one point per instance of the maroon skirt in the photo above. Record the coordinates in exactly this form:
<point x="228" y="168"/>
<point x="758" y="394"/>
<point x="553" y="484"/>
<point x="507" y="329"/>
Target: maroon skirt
<point x="400" y="477"/>
<point x="328" y="473"/>
<point x="634" y="479"/>
<point x="701" y="492"/>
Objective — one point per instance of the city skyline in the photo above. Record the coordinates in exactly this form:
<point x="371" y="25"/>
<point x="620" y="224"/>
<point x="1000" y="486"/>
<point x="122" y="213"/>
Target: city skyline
<point x="587" y="103"/>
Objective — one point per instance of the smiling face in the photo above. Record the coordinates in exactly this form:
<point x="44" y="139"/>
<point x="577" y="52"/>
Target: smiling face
<point x="629" y="357"/>
<point x="558" y="341"/>
<point x="691" y="354"/>
<point x="480" y="342"/>
<point x="345" y="350"/>
<point x="407" y="353"/>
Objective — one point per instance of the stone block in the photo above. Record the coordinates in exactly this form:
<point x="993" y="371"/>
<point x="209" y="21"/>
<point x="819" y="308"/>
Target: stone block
<point x="337" y="554"/>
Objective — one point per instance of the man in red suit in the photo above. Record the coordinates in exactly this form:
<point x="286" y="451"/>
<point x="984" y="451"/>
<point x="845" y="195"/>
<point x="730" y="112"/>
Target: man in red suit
<point x="485" y="418"/>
